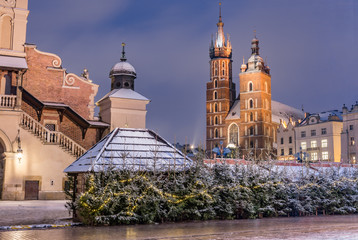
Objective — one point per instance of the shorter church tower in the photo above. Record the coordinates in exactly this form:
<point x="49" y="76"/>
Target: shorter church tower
<point x="123" y="107"/>
<point x="256" y="129"/>
<point x="220" y="90"/>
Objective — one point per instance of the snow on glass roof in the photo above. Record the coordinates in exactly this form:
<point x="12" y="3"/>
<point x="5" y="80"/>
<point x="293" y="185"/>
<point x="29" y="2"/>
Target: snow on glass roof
<point x="131" y="149"/>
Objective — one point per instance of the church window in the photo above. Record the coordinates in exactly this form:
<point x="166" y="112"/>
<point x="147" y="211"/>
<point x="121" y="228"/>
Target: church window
<point x="215" y="95"/>
<point x="216" y="133"/>
<point x="215" y="107"/>
<point x="251" y="117"/>
<point x="251" y="144"/>
<point x="216" y="120"/>
<point x="223" y="68"/>
<point x="251" y="103"/>
<point x="5" y="27"/>
<point x="251" y="87"/>
<point x="234" y="134"/>
<point x="216" y="83"/>
<point x="251" y="131"/>
<point x="126" y="84"/>
<point x="216" y="69"/>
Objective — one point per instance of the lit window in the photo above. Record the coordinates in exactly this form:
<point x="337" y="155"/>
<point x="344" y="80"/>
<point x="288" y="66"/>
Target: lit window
<point x="324" y="143"/>
<point x="353" y="142"/>
<point x="313" y="132"/>
<point x="324" y="155"/>
<point x="303" y="145"/>
<point x="303" y="134"/>
<point x="313" y="144"/>
<point x="314" y="156"/>
<point x="324" y="131"/>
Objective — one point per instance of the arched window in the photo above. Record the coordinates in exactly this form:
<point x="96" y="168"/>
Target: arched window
<point x="215" y="95"/>
<point x="251" y="131"/>
<point x="5" y="37"/>
<point x="251" y="103"/>
<point x="215" y="107"/>
<point x="250" y="87"/>
<point x="215" y="83"/>
<point x="234" y="134"/>
<point x="216" y="120"/>
<point x="216" y="133"/>
<point x="223" y="68"/>
<point x="216" y="68"/>
<point x="251" y="117"/>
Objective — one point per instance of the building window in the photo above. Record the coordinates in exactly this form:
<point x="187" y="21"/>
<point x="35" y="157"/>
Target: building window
<point x="251" y="144"/>
<point x="216" y="120"/>
<point x="282" y="152"/>
<point x="303" y="134"/>
<point x="281" y="140"/>
<point x="324" y="131"/>
<point x="234" y="134"/>
<point x="216" y="83"/>
<point x="303" y="145"/>
<point x="290" y="151"/>
<point x="324" y="143"/>
<point x="313" y="144"/>
<point x="250" y="87"/>
<point x="216" y="133"/>
<point x="313" y="132"/>
<point x="251" y="116"/>
<point x="350" y="127"/>
<point x="251" y="129"/>
<point x="251" y="103"/>
<point x="215" y="107"/>
<point x="352" y="142"/>
<point x="51" y="127"/>
<point x="215" y="95"/>
<point x="223" y="68"/>
<point x="290" y="139"/>
<point x="314" y="156"/>
<point x="324" y="155"/>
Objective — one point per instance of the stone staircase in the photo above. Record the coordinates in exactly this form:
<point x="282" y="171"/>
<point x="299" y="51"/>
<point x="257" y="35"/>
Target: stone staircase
<point x="48" y="137"/>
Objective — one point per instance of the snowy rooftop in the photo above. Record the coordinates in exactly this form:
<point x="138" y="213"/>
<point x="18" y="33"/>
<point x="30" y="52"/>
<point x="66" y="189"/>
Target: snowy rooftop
<point x="279" y="111"/>
<point x="123" y="67"/>
<point x="133" y="149"/>
<point x="124" y="93"/>
<point x="332" y="115"/>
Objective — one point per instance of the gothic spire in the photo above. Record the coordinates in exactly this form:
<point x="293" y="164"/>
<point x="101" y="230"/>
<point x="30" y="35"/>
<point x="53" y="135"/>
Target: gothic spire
<point x="220" y="37"/>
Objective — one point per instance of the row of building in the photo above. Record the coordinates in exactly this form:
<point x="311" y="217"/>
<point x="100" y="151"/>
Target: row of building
<point x="326" y="136"/>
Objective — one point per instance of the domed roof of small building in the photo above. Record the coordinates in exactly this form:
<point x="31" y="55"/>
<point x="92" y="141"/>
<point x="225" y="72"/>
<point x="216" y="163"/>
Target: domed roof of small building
<point x="123" y="68"/>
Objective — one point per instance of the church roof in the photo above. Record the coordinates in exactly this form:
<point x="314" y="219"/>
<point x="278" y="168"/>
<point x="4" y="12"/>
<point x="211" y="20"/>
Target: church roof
<point x="279" y="111"/>
<point x="124" y="93"/>
<point x="132" y="149"/>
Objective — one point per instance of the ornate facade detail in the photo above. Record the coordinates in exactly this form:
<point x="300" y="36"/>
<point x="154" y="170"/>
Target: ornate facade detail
<point x="56" y="62"/>
<point x="8" y="3"/>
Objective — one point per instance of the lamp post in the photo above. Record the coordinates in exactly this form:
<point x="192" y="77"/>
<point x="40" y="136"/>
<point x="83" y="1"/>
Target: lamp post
<point x="19" y="152"/>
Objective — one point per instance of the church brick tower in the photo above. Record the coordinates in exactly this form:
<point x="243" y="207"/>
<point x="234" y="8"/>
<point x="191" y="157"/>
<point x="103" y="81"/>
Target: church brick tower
<point x="256" y="129"/>
<point x="220" y="90"/>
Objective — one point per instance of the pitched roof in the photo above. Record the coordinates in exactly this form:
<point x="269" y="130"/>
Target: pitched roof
<point x="133" y="149"/>
<point x="124" y="93"/>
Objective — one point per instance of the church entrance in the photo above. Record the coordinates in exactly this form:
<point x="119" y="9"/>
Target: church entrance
<point x="31" y="190"/>
<point x="2" y="167"/>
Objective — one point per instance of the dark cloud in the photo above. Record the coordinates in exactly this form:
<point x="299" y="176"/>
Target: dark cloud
<point x="310" y="47"/>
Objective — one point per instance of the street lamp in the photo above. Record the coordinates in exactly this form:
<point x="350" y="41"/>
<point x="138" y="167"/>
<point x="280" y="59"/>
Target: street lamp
<point x="19" y="152"/>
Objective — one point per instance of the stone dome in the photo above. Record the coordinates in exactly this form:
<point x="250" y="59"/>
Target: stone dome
<point x="123" y="68"/>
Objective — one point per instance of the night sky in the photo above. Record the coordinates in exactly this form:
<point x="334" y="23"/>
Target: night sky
<point x="311" y="47"/>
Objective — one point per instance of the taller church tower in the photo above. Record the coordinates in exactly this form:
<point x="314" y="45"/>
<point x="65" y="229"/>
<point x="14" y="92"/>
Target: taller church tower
<point x="220" y="90"/>
<point x="256" y="127"/>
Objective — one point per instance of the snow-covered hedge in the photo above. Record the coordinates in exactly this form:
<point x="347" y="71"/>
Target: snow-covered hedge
<point x="219" y="192"/>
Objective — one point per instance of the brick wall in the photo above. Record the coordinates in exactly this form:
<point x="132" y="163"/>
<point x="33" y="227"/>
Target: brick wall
<point x="47" y="81"/>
